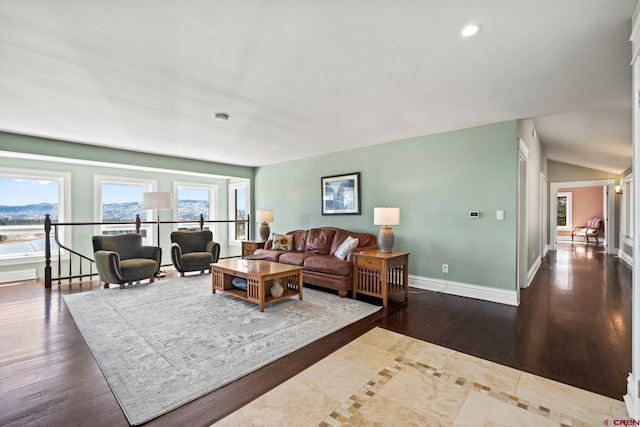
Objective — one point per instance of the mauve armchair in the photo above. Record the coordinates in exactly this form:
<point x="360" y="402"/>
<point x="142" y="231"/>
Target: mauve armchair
<point x="592" y="229"/>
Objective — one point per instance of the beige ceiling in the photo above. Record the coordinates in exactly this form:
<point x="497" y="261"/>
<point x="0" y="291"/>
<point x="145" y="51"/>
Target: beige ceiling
<point x="301" y="78"/>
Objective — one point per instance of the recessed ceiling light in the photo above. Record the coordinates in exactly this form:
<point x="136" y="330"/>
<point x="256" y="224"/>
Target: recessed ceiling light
<point x="470" y="30"/>
<point x="222" y="116"/>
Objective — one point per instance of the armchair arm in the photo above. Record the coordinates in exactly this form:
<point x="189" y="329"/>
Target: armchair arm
<point x="214" y="249"/>
<point x="176" y="256"/>
<point x="108" y="265"/>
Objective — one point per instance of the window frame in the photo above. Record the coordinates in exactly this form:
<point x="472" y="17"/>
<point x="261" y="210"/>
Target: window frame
<point x="569" y="224"/>
<point x="232" y="188"/>
<point x="98" y="180"/>
<point x="64" y="212"/>
<point x="213" y="203"/>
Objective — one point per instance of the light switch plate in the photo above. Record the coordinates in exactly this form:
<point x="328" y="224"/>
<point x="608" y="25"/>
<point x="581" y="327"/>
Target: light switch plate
<point x="500" y="215"/>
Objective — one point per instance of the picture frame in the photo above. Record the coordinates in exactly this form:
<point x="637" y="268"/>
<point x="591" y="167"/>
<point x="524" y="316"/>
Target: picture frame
<point x="341" y="194"/>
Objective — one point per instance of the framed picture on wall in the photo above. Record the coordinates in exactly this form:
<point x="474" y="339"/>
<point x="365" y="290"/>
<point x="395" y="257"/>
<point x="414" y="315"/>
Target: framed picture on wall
<point x="341" y="194"/>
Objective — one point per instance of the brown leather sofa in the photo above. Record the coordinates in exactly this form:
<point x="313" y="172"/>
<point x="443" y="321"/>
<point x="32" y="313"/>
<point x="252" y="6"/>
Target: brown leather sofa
<point x="315" y="249"/>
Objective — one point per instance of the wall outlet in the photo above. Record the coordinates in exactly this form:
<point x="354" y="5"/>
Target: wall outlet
<point x="445" y="268"/>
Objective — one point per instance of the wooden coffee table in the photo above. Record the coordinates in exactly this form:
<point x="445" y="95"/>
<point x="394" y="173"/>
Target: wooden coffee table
<point x="260" y="276"/>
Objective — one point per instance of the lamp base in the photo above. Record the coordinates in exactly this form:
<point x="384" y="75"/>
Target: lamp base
<point x="386" y="239"/>
<point x="264" y="231"/>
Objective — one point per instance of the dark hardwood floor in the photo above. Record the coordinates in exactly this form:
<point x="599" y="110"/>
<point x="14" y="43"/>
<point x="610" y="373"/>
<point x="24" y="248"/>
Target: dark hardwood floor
<point x="573" y="325"/>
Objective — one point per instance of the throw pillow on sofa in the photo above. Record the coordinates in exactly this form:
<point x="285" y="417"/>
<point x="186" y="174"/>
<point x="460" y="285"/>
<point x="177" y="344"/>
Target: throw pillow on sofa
<point x="347" y="246"/>
<point x="282" y="242"/>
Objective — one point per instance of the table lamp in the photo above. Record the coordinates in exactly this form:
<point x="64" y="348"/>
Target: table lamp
<point x="264" y="216"/>
<point x="386" y="217"/>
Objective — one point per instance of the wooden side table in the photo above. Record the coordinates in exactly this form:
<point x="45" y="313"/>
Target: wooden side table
<point x="250" y="246"/>
<point x="380" y="275"/>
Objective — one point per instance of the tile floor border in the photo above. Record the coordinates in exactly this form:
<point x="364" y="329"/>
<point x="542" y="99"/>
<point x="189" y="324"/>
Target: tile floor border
<point x="352" y="405"/>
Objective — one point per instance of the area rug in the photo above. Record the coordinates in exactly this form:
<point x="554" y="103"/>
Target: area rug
<point x="163" y="344"/>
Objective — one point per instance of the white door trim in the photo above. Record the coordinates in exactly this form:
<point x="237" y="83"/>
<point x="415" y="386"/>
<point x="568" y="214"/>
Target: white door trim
<point x="522" y="251"/>
<point x="553" y="208"/>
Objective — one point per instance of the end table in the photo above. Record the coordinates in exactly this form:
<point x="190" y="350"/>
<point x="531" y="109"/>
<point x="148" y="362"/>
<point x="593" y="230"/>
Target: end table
<point x="250" y="246"/>
<point x="380" y="274"/>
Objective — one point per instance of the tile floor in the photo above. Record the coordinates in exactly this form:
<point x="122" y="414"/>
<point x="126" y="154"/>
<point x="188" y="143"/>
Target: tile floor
<point x="384" y="378"/>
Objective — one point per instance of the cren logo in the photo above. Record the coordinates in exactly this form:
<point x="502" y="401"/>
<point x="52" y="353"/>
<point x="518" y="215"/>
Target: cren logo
<point x="623" y="422"/>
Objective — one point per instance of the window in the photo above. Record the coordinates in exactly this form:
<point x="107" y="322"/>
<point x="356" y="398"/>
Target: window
<point x="27" y="197"/>
<point x="193" y="200"/>
<point x="564" y="211"/>
<point x="120" y="200"/>
<point x="238" y="210"/>
<point x="626" y="227"/>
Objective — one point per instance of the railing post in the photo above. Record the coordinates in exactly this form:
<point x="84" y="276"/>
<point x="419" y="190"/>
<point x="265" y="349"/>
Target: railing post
<point x="47" y="251"/>
<point x="201" y="222"/>
<point x="138" y="223"/>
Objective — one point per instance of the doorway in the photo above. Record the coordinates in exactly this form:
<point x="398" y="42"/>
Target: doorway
<point x="608" y="210"/>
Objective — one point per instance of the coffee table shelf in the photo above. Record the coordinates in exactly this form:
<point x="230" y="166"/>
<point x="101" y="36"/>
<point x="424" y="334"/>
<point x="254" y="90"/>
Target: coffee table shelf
<point x="258" y="276"/>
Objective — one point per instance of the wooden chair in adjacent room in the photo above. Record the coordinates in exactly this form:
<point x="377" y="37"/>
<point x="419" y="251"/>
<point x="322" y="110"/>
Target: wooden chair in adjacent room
<point x="592" y="229"/>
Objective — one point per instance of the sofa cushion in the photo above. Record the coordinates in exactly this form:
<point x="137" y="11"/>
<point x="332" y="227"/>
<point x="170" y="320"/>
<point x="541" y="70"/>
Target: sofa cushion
<point x="299" y="238"/>
<point x="269" y="254"/>
<point x="365" y="240"/>
<point x="282" y="242"/>
<point x="328" y="264"/>
<point x="294" y="258"/>
<point x="319" y="240"/>
<point x="347" y="246"/>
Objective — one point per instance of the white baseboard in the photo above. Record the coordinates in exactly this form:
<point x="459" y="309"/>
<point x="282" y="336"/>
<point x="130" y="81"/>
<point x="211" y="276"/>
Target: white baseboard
<point x="533" y="270"/>
<point x="464" y="290"/>
<point x="630" y="400"/>
<point x="546" y="249"/>
<point x="563" y="238"/>
<point x="626" y="258"/>
<point x="17" y="275"/>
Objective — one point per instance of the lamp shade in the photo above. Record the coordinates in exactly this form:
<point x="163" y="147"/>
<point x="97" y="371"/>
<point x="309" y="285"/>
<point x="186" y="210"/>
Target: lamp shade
<point x="264" y="215"/>
<point x="157" y="200"/>
<point x="386" y="216"/>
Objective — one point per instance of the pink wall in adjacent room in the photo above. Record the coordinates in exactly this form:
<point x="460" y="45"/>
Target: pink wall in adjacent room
<point x="586" y="204"/>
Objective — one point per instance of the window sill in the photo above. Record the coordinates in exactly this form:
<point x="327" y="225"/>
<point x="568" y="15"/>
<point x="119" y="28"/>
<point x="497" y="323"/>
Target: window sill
<point x="29" y="259"/>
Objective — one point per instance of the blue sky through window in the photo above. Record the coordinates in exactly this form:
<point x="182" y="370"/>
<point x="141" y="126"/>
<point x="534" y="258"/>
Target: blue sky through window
<point x="122" y="193"/>
<point x="20" y="192"/>
<point x="193" y="194"/>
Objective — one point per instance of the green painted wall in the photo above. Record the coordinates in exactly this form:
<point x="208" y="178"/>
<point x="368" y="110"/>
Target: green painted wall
<point x="435" y="181"/>
<point x="82" y="182"/>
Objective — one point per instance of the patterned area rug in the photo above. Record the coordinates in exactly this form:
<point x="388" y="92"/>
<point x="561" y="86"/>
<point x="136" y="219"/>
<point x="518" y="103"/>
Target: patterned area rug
<point x="163" y="344"/>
